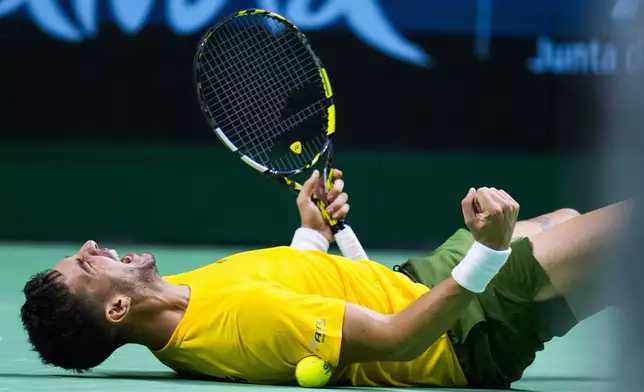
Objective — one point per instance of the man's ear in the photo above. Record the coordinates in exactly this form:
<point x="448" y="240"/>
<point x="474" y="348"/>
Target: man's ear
<point x="118" y="308"/>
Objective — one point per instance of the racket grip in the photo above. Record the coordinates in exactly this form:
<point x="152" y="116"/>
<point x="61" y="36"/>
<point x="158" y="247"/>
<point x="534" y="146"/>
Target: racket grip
<point x="349" y="244"/>
<point x="336" y="225"/>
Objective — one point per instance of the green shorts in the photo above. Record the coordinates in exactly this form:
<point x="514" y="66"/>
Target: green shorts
<point x="498" y="335"/>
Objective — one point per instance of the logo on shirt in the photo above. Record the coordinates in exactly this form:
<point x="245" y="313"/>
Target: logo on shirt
<point x="320" y="333"/>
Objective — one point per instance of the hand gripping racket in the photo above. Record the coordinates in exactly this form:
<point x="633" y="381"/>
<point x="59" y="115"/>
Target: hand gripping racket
<point x="267" y="97"/>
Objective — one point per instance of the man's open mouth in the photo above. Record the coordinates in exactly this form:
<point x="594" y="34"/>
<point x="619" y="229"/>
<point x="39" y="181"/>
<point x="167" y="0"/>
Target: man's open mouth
<point x="113" y="254"/>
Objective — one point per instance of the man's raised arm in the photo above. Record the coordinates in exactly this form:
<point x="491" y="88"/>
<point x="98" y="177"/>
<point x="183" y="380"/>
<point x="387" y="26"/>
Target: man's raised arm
<point x="490" y="215"/>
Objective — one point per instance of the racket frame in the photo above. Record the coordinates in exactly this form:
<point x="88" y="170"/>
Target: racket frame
<point x="282" y="176"/>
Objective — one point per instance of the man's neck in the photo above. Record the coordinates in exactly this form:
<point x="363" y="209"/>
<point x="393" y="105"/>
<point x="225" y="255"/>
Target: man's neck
<point x="158" y="314"/>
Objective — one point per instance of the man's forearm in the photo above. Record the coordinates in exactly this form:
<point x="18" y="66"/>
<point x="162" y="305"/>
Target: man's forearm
<point x="426" y="319"/>
<point x="349" y="244"/>
<point x="368" y="335"/>
<point x="309" y="239"/>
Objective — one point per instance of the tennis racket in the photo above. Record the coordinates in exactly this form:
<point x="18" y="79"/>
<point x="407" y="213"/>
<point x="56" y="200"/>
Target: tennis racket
<point x="266" y="95"/>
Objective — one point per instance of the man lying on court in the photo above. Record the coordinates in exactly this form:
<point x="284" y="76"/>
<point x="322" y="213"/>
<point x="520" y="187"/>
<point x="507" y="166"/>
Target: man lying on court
<point x="496" y="297"/>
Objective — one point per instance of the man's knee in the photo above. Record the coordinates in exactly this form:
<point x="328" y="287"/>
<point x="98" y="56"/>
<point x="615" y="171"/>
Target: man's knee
<point x="536" y="225"/>
<point x="567" y="213"/>
<point x="554" y="218"/>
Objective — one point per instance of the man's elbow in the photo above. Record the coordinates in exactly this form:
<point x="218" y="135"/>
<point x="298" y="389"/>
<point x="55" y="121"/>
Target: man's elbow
<point x="372" y="336"/>
<point x="396" y="343"/>
<point x="404" y="350"/>
<point x="402" y="344"/>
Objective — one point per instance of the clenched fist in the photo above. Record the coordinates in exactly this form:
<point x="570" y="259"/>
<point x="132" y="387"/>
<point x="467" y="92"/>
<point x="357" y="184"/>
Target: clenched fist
<point x="491" y="215"/>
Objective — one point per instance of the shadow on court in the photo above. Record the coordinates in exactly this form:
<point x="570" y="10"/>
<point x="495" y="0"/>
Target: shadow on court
<point x="125" y="375"/>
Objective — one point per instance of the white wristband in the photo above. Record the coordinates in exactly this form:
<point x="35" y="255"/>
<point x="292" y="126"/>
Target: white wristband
<point x="479" y="266"/>
<point x="309" y="239"/>
<point x="349" y="245"/>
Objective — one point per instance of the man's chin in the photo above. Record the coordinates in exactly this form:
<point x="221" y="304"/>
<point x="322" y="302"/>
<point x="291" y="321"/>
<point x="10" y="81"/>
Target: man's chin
<point x="148" y="263"/>
<point x="145" y="267"/>
<point x="140" y="260"/>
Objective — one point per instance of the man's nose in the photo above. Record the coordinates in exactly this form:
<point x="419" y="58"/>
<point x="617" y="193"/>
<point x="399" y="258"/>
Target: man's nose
<point x="90" y="247"/>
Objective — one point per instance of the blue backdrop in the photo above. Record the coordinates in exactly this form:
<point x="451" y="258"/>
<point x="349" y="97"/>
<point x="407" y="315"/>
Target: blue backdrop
<point x="381" y="24"/>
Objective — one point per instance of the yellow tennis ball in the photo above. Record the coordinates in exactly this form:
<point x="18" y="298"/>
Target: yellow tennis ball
<point x="313" y="372"/>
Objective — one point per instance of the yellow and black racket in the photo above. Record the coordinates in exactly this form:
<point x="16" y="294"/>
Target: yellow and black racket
<point x="267" y="96"/>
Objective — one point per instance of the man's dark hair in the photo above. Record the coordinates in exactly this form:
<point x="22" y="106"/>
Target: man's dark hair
<point x="63" y="327"/>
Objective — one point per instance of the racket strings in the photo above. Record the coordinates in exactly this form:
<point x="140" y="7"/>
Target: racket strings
<point x="257" y="147"/>
<point x="249" y="73"/>
<point x="252" y="139"/>
<point x="230" y="84"/>
<point x="268" y="139"/>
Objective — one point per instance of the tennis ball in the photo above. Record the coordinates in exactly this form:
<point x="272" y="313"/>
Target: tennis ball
<point x="313" y="372"/>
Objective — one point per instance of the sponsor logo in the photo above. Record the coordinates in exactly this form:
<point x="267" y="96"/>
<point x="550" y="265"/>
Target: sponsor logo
<point x="76" y="20"/>
<point x="320" y="333"/>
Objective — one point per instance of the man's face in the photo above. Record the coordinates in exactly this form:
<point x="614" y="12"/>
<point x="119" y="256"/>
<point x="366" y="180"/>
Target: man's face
<point x="100" y="273"/>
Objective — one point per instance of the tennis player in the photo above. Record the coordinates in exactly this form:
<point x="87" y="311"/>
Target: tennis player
<point x="472" y="313"/>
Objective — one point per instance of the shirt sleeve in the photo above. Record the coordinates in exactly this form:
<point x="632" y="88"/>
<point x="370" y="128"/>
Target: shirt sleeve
<point x="282" y="325"/>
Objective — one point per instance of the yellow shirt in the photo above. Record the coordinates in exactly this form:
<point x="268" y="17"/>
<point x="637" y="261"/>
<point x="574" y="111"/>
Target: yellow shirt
<point x="252" y="316"/>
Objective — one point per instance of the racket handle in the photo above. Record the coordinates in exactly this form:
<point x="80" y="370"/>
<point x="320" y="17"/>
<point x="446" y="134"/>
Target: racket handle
<point x="336" y="225"/>
<point x="349" y="244"/>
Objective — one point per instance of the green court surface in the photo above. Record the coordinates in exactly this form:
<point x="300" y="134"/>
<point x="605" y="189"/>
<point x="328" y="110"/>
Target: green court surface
<point x="585" y="360"/>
